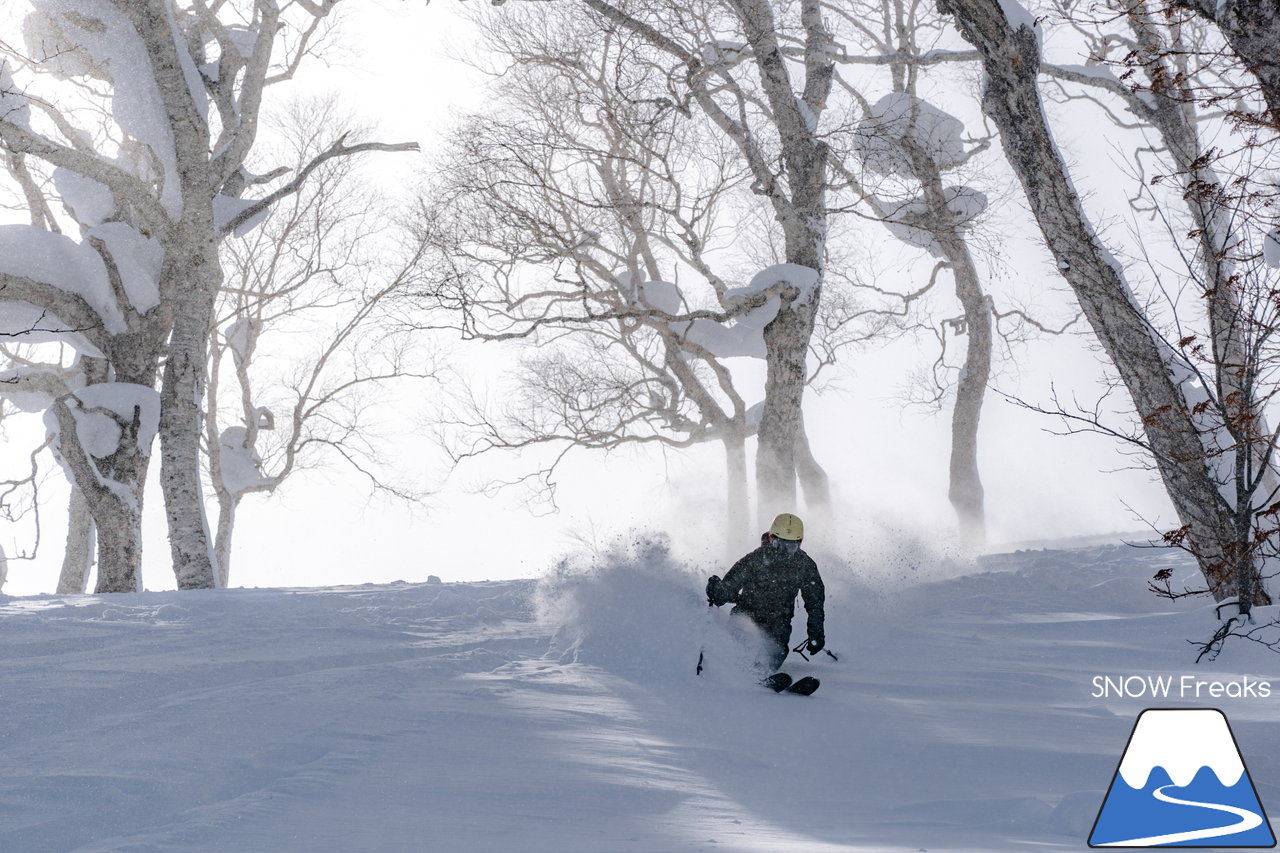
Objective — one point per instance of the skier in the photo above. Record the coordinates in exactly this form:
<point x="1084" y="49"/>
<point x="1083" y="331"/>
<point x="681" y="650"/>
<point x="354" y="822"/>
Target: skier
<point x="763" y="586"/>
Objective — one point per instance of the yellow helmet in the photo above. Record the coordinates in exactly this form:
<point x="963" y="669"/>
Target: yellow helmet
<point x="787" y="526"/>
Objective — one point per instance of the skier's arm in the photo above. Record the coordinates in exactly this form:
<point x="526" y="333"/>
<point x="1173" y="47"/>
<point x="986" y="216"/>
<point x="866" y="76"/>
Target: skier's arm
<point x="815" y="596"/>
<point x="725" y="590"/>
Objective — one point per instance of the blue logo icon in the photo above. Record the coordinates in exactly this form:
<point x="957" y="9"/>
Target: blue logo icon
<point x="1182" y="783"/>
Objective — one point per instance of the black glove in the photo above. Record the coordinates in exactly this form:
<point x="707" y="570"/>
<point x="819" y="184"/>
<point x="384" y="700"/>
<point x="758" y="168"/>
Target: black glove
<point x="713" y="587"/>
<point x="816" y="644"/>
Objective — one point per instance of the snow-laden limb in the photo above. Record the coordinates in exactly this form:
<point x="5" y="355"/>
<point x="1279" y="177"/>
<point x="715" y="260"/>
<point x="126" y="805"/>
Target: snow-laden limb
<point x="804" y="279"/>
<point x="33" y="324"/>
<point x="107" y="412"/>
<point x="93" y="38"/>
<point x="900" y="116"/>
<point x="246" y="213"/>
<point x="91" y="201"/>
<point x="241" y="336"/>
<point x="137" y="259"/>
<point x="742" y="335"/>
<point x="723" y="53"/>
<point x="735" y="340"/>
<point x="244" y="40"/>
<point x="14" y="105"/>
<point x="34" y="388"/>
<point x="60" y="275"/>
<point x="662" y="296"/>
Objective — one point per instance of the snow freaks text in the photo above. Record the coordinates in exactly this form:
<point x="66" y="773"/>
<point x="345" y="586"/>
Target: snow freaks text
<point x="1178" y="687"/>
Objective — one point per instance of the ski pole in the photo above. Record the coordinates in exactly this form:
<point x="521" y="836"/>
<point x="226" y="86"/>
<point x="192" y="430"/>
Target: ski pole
<point x="800" y="651"/>
<point x="702" y="651"/>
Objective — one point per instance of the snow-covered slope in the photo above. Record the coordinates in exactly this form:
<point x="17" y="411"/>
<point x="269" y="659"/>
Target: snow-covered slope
<point x="564" y="715"/>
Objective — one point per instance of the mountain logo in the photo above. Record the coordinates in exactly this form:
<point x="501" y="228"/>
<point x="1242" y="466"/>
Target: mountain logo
<point x="1182" y="783"/>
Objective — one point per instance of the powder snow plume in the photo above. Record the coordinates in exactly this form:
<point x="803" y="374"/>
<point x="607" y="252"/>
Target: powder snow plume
<point x="636" y="612"/>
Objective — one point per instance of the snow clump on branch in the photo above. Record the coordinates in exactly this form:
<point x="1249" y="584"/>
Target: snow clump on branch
<point x="898" y="117"/>
<point x="743" y="337"/>
<point x="92" y="38"/>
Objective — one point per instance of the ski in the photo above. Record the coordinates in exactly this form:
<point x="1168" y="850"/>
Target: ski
<point x="804" y="686"/>
<point x="780" y="682"/>
<point x="777" y="682"/>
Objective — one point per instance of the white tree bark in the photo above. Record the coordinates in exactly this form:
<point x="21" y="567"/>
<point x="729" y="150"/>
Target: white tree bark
<point x="113" y="488"/>
<point x="737" y="500"/>
<point x="77" y="558"/>
<point x="966" y="492"/>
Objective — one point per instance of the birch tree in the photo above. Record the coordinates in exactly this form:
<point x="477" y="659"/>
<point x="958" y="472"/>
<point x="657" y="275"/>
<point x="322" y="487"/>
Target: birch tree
<point x="1169" y="83"/>
<point x="905" y="156"/>
<point x="589" y="207"/>
<point x="727" y="60"/>
<point x="325" y="266"/>
<point x="153" y="190"/>
<point x="29" y="382"/>
<point x="903" y="140"/>
<point x="1200" y="436"/>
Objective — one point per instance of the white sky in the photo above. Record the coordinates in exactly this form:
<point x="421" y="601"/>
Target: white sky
<point x="888" y="466"/>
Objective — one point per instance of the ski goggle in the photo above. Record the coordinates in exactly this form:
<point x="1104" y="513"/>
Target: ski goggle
<point x="786" y="546"/>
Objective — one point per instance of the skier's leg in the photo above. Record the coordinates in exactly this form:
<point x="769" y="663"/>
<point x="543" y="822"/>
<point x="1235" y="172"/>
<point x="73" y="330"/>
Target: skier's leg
<point x="777" y="653"/>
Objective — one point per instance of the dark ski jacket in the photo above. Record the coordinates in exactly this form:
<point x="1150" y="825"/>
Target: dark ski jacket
<point x="764" y="584"/>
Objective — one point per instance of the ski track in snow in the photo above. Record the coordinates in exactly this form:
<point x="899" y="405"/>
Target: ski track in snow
<point x="565" y="716"/>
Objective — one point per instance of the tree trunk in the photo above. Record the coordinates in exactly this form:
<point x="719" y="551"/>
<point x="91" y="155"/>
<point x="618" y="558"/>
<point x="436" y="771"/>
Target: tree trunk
<point x="1171" y="107"/>
<point x="801" y="211"/>
<point x="786" y="338"/>
<point x="737" y="502"/>
<point x="227" y="506"/>
<point x="966" y="492"/>
<point x="813" y="478"/>
<point x="77" y="559"/>
<point x="119" y="549"/>
<point x="787" y="345"/>
<point x="1252" y="28"/>
<point x="965" y="481"/>
<point x="181" y="421"/>
<point x="1149" y="368"/>
<point x="113" y="489"/>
